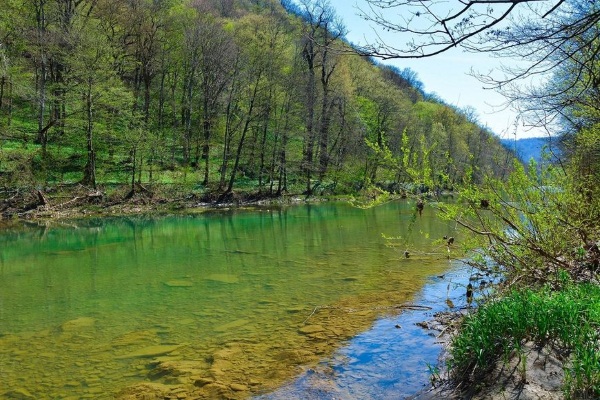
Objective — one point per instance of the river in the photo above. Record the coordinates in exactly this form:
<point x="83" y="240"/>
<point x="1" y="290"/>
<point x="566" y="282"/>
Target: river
<point x="225" y="304"/>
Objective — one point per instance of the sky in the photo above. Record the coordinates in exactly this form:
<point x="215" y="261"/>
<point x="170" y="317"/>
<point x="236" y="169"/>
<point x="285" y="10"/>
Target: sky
<point x="447" y="75"/>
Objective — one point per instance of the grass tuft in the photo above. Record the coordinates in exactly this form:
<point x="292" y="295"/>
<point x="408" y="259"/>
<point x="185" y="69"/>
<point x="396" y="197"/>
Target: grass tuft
<point x="568" y="319"/>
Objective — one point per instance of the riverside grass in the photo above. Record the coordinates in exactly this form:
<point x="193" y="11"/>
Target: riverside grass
<point x="568" y="319"/>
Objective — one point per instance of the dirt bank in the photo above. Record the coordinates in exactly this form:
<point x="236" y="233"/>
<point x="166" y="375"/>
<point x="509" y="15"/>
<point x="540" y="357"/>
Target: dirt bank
<point x="76" y="201"/>
<point x="536" y="374"/>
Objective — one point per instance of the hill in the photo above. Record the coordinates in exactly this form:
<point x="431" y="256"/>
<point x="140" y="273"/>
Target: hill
<point x="532" y="148"/>
<point x="217" y="95"/>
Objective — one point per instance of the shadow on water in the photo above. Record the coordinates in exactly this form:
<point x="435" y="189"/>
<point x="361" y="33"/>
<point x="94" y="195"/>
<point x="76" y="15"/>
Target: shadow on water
<point x="392" y="360"/>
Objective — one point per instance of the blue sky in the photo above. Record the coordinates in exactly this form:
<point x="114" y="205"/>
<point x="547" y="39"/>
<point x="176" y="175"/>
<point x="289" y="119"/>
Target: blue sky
<point x="446" y="75"/>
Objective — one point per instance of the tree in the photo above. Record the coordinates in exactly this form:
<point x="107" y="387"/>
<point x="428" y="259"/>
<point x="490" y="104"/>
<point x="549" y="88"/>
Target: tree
<point x="258" y="81"/>
<point x="151" y="86"/>
<point x="479" y="25"/>
<point x="217" y="55"/>
<point x="11" y="44"/>
<point x="546" y="35"/>
<point x="322" y="30"/>
<point x="538" y="221"/>
<point x="96" y="92"/>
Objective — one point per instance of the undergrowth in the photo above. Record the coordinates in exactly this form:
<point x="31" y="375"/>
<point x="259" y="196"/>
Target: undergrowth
<point x="568" y="319"/>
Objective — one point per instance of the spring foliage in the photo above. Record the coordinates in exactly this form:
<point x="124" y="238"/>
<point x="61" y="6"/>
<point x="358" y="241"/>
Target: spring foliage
<point x="228" y="94"/>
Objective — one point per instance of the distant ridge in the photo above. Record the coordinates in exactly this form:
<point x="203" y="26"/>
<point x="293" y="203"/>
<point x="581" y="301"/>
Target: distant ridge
<point x="529" y="148"/>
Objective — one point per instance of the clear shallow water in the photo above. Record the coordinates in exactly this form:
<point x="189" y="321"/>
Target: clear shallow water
<point x="391" y="360"/>
<point x="89" y="309"/>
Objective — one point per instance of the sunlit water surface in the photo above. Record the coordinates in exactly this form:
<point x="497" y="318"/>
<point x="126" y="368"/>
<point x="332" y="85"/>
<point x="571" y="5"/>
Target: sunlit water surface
<point x="395" y="359"/>
<point x="224" y="304"/>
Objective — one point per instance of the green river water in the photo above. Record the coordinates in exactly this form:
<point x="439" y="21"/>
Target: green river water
<point x="223" y="304"/>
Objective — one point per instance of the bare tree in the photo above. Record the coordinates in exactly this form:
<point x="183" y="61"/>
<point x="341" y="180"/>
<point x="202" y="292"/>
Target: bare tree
<point x="215" y="68"/>
<point x="322" y="29"/>
<point x="547" y="36"/>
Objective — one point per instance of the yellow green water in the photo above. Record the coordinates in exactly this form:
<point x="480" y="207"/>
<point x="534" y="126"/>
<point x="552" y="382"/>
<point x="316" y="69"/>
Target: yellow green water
<point x="225" y="304"/>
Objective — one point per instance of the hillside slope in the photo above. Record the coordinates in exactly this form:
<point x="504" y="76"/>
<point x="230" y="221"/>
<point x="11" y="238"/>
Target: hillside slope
<point x="533" y="148"/>
<point x="220" y="96"/>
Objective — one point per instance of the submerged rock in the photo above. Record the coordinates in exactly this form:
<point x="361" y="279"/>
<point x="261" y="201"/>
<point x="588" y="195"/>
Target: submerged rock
<point x="232" y="325"/>
<point x="179" y="283"/>
<point x="179" y="368"/>
<point x="223" y="278"/>
<point x="201" y="381"/>
<point x="236" y="387"/>
<point x="152" y="351"/>
<point x="311" y="329"/>
<point x="78" y="324"/>
<point x="20" y="394"/>
<point x="145" y="391"/>
<point x="135" y="338"/>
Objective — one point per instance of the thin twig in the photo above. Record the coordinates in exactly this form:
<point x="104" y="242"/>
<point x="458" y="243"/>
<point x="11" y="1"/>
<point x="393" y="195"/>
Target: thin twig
<point x="311" y="314"/>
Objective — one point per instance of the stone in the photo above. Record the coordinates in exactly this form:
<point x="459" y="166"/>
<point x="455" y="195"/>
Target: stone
<point x="18" y="394"/>
<point x="179" y="283"/>
<point x="178" y="368"/>
<point x="311" y="329"/>
<point x="232" y="325"/>
<point x="152" y="351"/>
<point x="216" y="389"/>
<point x="337" y="331"/>
<point x="200" y="382"/>
<point x="146" y="391"/>
<point x="223" y="278"/>
<point x="236" y="387"/>
<point x="78" y="324"/>
<point x="135" y="337"/>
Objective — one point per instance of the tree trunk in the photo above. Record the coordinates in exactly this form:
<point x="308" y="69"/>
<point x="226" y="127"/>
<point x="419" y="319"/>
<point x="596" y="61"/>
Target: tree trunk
<point x="9" y="108"/>
<point x="229" y="130"/>
<point x="2" y="84"/>
<point x="263" y="143"/>
<point x="133" y="154"/>
<point x="243" y="137"/>
<point x="307" y="158"/>
<point x="41" y="74"/>
<point x="161" y="99"/>
<point x="206" y="128"/>
<point x="42" y="138"/>
<point x="89" y="175"/>
<point x="147" y="82"/>
<point x="186" y="119"/>
<point x="324" y="133"/>
<point x="282" y="185"/>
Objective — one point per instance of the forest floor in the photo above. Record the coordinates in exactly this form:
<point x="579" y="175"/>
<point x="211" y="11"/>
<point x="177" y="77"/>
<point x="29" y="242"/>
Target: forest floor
<point x="540" y="377"/>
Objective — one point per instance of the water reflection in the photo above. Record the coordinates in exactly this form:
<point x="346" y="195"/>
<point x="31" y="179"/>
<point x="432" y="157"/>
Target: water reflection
<point x="389" y="361"/>
<point x="88" y="309"/>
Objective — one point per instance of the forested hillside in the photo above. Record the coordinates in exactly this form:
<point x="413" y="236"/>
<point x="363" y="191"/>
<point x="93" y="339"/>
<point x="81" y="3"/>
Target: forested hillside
<point x="220" y="95"/>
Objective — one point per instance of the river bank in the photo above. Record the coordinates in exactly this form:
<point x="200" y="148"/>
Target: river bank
<point x="540" y="378"/>
<point x="77" y="201"/>
<point x="526" y="343"/>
